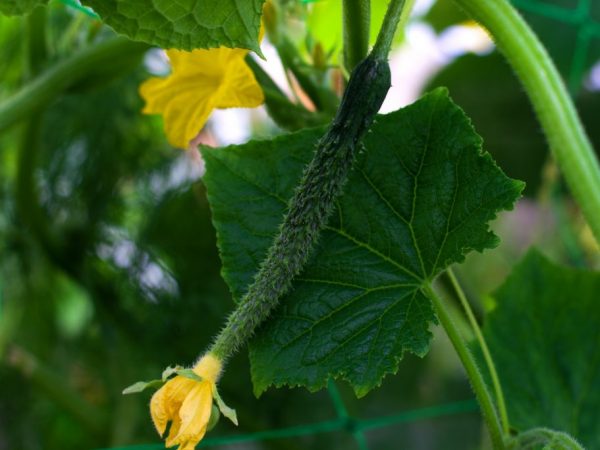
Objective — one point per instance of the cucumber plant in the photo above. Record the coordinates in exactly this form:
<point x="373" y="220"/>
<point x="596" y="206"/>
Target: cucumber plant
<point x="334" y="237"/>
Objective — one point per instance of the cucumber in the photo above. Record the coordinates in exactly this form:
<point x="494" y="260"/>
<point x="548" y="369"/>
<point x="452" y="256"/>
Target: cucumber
<point x="321" y="184"/>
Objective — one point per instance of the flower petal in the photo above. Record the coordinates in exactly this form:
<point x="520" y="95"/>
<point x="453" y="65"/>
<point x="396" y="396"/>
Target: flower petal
<point x="173" y="433"/>
<point x="184" y="117"/>
<point x="240" y="89"/>
<point x="200" y="81"/>
<point x="195" y="413"/>
<point x="158" y="411"/>
<point x="189" y="445"/>
<point x="165" y="402"/>
<point x="185" y="103"/>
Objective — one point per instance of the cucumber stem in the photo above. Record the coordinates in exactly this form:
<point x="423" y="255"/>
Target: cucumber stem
<point x="501" y="404"/>
<point x="392" y="19"/>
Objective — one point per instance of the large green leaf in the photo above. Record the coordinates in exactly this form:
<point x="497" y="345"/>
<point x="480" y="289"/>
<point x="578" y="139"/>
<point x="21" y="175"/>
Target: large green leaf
<point x="184" y="24"/>
<point x="420" y="198"/>
<point x="544" y="336"/>
<point x="18" y="7"/>
<point x="543" y="439"/>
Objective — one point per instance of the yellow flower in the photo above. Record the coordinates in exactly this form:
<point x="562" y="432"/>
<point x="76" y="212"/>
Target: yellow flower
<point x="201" y="81"/>
<point x="187" y="404"/>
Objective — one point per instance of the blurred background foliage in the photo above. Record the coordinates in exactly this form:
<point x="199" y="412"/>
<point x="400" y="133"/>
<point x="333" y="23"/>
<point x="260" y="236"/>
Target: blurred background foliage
<point x="109" y="270"/>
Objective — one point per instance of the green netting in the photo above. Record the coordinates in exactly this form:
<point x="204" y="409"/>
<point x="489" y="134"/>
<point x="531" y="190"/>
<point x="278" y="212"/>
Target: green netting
<point x="344" y="422"/>
<point x="574" y="54"/>
<point x="578" y="47"/>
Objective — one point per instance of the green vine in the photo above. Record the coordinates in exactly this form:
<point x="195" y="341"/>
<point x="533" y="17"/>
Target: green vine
<point x="549" y="96"/>
<point x="55" y="80"/>
<point x="475" y="377"/>
<point x="485" y="350"/>
<point x="357" y="19"/>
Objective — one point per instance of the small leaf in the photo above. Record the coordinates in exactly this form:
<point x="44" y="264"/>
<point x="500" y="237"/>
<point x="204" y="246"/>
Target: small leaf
<point x="188" y="373"/>
<point x="184" y="24"/>
<point x="420" y="197"/>
<point x="19" y="7"/>
<point x="170" y="371"/>
<point x="544" y="337"/>
<point x="225" y="410"/>
<point x="142" y="386"/>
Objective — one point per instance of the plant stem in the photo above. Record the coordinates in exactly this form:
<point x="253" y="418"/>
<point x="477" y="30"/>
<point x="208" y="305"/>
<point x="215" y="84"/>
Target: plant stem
<point x="28" y="206"/>
<point x="289" y="116"/>
<point x="388" y="29"/>
<point x="54" y="81"/>
<point x="323" y="99"/>
<point x="36" y="48"/>
<point x="357" y="21"/>
<point x="481" y="391"/>
<point x="548" y="94"/>
<point x="485" y="350"/>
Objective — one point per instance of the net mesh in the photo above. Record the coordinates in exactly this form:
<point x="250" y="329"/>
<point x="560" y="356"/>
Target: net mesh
<point x="343" y="422"/>
<point x="575" y="51"/>
<point x="571" y="31"/>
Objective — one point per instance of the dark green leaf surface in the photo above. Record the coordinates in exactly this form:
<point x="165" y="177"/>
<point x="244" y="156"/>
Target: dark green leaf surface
<point x="420" y="197"/>
<point x="544" y="336"/>
<point x="184" y="24"/>
<point x="18" y="7"/>
<point x="543" y="439"/>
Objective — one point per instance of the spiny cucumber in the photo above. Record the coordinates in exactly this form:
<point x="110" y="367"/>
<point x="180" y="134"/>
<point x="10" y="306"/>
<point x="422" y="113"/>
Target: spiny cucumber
<point x="313" y="201"/>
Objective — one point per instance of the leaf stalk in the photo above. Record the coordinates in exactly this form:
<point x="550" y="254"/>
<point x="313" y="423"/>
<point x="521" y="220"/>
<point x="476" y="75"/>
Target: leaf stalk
<point x="501" y="404"/>
<point x="474" y="374"/>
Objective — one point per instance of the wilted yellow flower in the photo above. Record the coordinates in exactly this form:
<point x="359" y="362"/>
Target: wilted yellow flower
<point x="187" y="404"/>
<point x="200" y="81"/>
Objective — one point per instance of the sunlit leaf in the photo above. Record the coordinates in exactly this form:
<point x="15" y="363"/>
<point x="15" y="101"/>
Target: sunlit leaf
<point x="184" y="24"/>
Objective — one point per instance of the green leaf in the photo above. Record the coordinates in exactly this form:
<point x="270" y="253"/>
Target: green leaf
<point x="19" y="7"/>
<point x="170" y="371"/>
<point x="543" y="439"/>
<point x="184" y="24"/>
<point x="225" y="410"/>
<point x="420" y="198"/>
<point x="142" y="386"/>
<point x="544" y="337"/>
